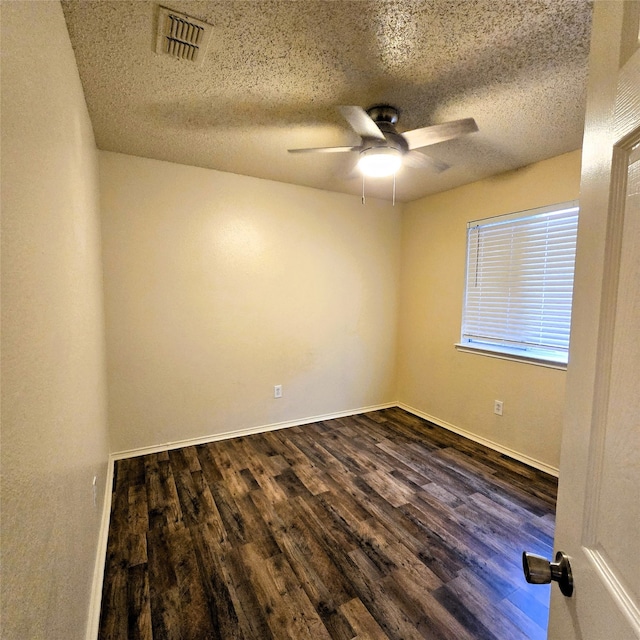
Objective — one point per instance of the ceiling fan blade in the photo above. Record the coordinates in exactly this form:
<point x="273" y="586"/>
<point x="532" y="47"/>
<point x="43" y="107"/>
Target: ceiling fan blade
<point x="361" y="123"/>
<point x="325" y="150"/>
<point x="439" y="133"/>
<point x="419" y="160"/>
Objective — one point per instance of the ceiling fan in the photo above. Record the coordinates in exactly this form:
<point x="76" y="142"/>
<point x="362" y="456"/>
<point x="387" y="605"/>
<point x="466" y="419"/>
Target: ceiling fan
<point x="383" y="150"/>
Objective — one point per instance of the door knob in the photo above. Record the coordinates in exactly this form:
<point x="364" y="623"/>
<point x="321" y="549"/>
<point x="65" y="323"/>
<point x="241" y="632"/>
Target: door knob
<point x="538" y="570"/>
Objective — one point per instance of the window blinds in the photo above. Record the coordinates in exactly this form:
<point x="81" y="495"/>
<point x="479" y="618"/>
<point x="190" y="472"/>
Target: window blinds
<point x="519" y="282"/>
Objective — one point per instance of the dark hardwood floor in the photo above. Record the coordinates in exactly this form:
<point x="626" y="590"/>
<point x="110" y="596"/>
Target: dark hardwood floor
<point x="374" y="526"/>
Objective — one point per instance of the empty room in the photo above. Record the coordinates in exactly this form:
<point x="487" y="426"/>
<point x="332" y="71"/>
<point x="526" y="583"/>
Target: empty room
<point x="320" y="319"/>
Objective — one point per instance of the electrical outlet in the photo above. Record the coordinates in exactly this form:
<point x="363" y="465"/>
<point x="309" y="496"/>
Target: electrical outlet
<point x="277" y="391"/>
<point x="497" y="407"/>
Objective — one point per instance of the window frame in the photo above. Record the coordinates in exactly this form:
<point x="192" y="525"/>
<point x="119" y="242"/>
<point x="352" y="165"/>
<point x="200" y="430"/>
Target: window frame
<point x="495" y="346"/>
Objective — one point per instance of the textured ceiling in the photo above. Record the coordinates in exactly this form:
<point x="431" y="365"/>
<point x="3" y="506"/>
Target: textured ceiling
<point x="275" y="70"/>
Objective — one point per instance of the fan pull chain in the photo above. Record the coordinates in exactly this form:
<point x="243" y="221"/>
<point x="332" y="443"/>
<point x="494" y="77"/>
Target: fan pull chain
<point x="393" y="200"/>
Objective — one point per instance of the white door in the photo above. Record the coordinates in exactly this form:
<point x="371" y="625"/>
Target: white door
<point x="598" y="523"/>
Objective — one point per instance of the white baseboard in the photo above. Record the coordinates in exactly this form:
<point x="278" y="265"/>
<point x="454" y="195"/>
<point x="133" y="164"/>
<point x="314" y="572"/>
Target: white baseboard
<point x="190" y="442"/>
<point x="521" y="457"/>
<point x="95" y="601"/>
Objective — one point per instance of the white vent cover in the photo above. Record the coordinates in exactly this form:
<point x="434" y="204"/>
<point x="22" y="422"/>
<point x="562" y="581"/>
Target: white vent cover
<point x="181" y="36"/>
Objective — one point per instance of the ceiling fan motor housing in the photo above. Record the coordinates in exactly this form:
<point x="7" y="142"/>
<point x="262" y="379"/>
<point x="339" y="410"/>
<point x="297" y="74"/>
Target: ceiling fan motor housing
<point x="385" y="117"/>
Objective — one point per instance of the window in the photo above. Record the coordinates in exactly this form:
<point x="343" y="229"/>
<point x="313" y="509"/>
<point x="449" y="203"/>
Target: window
<point x="519" y="284"/>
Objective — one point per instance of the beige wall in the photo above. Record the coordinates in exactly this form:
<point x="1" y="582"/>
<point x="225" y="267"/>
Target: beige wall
<point x="459" y="388"/>
<point x="219" y="286"/>
<point x="54" y="437"/>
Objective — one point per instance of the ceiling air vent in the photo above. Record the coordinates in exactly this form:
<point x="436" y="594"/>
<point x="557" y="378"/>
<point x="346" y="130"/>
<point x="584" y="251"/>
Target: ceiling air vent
<point x="181" y="36"/>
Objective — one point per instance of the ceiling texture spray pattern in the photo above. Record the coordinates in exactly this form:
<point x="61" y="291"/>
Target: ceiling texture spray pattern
<point x="275" y="71"/>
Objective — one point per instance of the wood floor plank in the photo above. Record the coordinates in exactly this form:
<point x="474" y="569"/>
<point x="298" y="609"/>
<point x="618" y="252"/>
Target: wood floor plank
<point x="527" y="614"/>
<point x="361" y="621"/>
<point x="138" y="514"/>
<point x="480" y="610"/>
<point x="162" y="496"/>
<point x="428" y="612"/>
<point x="289" y="613"/>
<point x="210" y="470"/>
<point x="115" y="604"/>
<point x="195" y="619"/>
<point x="232" y="520"/>
<point x="139" y="607"/>
<point x="234" y="482"/>
<point x="164" y="594"/>
<point x="192" y="498"/>
<point x="338" y="586"/>
<point x="377" y="526"/>
<point x="389" y="488"/>
<point x="465" y="615"/>
<point x="210" y="550"/>
<point x="252" y="617"/>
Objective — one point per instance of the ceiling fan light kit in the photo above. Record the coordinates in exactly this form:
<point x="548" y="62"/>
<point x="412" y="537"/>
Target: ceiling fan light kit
<point x="379" y="162"/>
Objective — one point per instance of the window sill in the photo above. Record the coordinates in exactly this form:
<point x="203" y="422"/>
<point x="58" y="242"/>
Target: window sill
<point x="505" y="355"/>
